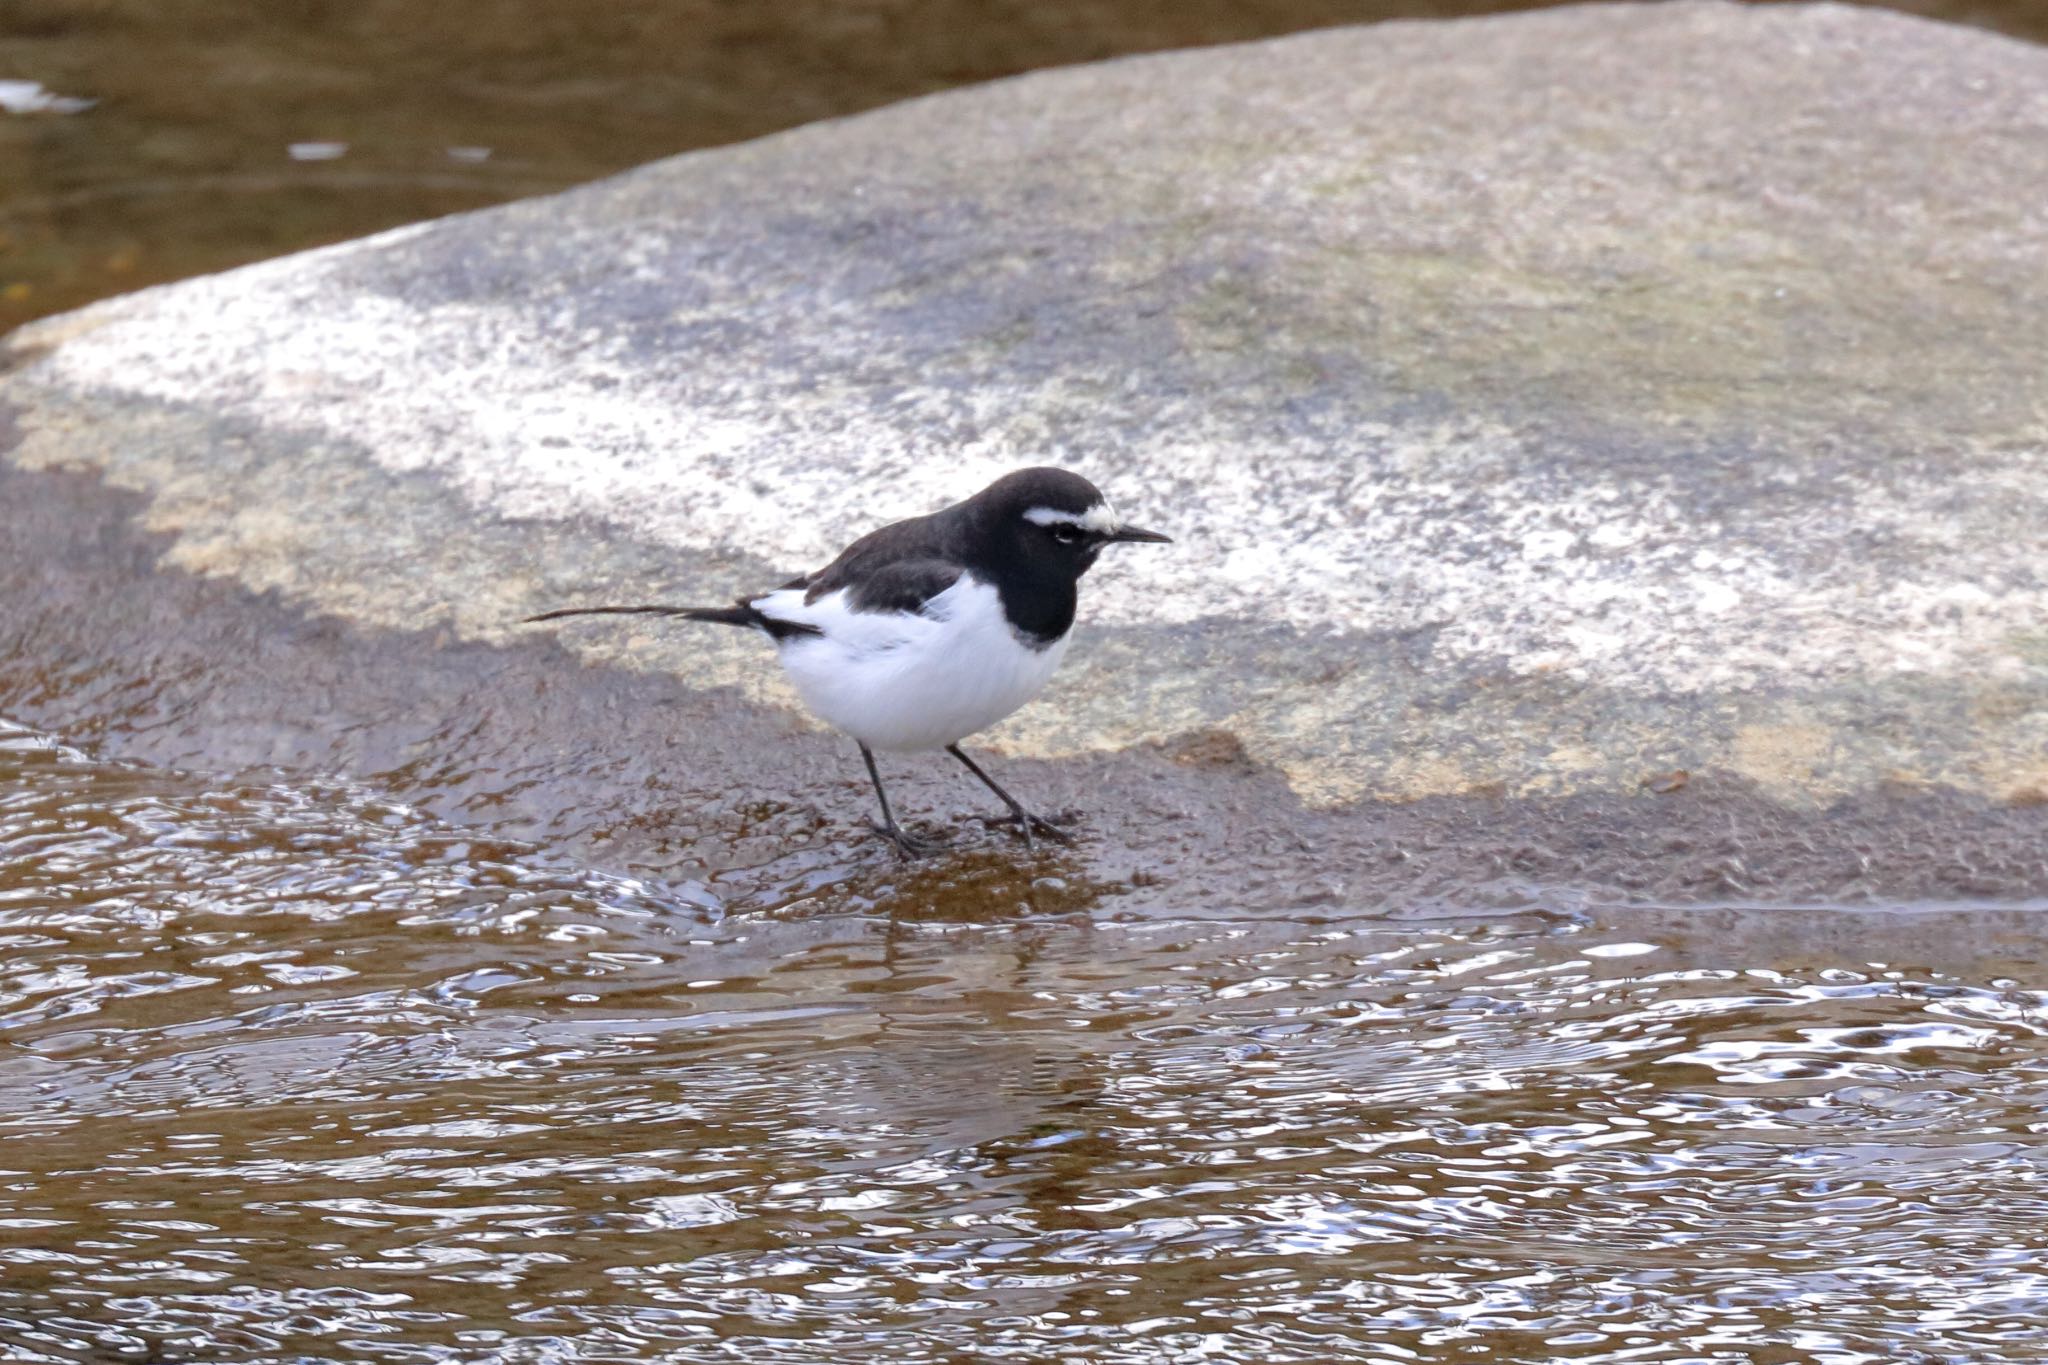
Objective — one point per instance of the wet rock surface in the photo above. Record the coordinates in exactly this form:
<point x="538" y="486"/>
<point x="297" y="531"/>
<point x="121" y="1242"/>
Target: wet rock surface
<point x="747" y="809"/>
<point x="1600" y="460"/>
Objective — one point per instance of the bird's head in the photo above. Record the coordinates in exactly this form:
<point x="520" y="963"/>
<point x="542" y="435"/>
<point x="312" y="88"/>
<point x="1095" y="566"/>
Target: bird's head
<point x="1054" y="522"/>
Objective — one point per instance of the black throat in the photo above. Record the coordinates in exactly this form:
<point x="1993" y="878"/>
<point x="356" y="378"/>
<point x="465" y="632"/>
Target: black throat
<point x="1040" y="611"/>
<point x="1038" y="598"/>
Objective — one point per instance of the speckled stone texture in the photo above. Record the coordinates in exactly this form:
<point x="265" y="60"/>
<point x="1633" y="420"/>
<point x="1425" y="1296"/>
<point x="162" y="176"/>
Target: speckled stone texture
<point x="1559" y="406"/>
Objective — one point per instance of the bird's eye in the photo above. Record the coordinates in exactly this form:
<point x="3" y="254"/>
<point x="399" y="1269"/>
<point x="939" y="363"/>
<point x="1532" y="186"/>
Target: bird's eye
<point x="1065" y="535"/>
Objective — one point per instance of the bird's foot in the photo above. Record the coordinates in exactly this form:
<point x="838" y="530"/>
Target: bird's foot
<point x="907" y="845"/>
<point x="1028" y="825"/>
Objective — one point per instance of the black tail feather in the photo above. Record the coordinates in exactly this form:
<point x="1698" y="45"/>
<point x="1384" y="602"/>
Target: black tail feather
<point x="732" y="616"/>
<point x="739" y="614"/>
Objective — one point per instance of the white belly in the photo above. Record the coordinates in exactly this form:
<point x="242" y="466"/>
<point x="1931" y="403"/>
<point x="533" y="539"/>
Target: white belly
<point x="896" y="681"/>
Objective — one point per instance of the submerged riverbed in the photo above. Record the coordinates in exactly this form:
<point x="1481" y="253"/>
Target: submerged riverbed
<point x="290" y="1070"/>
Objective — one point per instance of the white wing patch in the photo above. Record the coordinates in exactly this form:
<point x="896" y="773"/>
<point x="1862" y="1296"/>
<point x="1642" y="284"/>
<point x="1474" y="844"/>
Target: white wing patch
<point x="1100" y="519"/>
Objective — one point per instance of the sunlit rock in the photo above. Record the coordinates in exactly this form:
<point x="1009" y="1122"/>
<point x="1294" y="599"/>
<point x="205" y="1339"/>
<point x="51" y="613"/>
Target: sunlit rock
<point x="1542" y="405"/>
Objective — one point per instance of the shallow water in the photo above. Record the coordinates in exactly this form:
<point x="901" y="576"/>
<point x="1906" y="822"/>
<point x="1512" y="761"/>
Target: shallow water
<point x="295" y="1072"/>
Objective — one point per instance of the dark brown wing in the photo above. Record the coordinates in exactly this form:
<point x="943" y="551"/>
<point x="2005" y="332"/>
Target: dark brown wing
<point x="898" y="567"/>
<point x="905" y="585"/>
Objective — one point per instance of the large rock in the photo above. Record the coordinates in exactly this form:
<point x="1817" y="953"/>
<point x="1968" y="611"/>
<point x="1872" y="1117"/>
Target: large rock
<point x="1546" y="406"/>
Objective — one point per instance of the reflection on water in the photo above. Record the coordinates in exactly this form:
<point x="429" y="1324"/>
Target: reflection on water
<point x="297" y="1073"/>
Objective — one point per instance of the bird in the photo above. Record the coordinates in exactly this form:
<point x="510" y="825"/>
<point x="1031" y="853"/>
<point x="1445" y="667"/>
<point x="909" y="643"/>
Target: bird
<point x="932" y="629"/>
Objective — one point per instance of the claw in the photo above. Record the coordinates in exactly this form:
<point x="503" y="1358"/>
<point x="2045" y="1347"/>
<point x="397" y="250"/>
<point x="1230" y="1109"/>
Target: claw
<point x="1029" y="824"/>
<point x="907" y="845"/>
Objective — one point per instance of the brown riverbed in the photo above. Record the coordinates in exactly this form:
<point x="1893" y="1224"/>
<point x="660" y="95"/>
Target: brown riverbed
<point x="292" y="1071"/>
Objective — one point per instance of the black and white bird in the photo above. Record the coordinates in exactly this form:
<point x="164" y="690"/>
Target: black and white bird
<point x="933" y="629"/>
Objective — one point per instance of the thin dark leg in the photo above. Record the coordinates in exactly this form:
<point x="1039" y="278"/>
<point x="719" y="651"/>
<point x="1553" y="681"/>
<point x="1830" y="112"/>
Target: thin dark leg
<point x="907" y="844"/>
<point x="1028" y="823"/>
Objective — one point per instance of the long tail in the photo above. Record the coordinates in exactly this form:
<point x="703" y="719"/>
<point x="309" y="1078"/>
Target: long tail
<point x="739" y="614"/>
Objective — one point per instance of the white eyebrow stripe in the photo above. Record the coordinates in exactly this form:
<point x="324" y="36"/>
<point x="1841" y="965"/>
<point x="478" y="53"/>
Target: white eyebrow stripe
<point x="1101" y="518"/>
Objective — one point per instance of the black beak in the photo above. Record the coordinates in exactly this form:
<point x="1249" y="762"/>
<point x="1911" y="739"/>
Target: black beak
<point x="1133" y="534"/>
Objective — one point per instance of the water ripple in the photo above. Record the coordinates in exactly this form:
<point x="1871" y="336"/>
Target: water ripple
<point x="297" y="1073"/>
